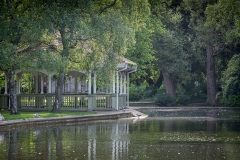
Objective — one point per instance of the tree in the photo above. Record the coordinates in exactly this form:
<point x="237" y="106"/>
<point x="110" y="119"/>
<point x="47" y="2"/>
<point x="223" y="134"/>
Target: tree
<point x="207" y="38"/>
<point x="223" y="16"/>
<point x="144" y="49"/>
<point x="19" y="30"/>
<point x="98" y="31"/>
<point x="168" y="42"/>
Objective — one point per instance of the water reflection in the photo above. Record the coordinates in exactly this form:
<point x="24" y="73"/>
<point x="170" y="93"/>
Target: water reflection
<point x="108" y="140"/>
<point x="153" y="138"/>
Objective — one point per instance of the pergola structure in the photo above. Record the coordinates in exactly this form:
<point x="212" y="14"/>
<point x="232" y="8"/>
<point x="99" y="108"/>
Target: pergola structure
<point x="80" y="90"/>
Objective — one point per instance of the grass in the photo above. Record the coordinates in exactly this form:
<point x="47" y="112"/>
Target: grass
<point x="43" y="114"/>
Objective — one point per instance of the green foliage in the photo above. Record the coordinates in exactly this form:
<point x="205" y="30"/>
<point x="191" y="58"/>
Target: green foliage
<point x="183" y="100"/>
<point x="230" y="83"/>
<point x="159" y="35"/>
<point x="142" y="92"/>
<point x="26" y="83"/>
<point x="20" y="29"/>
<point x="144" y="49"/>
<point x="184" y="97"/>
<point x="2" y="80"/>
<point x="6" y="56"/>
<point x="224" y="17"/>
<point x="164" y="99"/>
<point x="171" y="56"/>
<point x="136" y="93"/>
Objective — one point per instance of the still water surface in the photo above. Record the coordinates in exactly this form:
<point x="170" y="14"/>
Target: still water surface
<point x="213" y="135"/>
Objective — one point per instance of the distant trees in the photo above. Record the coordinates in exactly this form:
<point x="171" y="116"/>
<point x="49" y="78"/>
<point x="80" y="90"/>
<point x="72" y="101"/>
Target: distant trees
<point x="223" y="17"/>
<point x="192" y="42"/>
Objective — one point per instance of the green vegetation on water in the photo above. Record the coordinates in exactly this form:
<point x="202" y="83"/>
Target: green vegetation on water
<point x="43" y="114"/>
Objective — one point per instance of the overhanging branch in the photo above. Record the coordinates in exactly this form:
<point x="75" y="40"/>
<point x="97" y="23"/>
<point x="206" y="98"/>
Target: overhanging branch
<point x="108" y="6"/>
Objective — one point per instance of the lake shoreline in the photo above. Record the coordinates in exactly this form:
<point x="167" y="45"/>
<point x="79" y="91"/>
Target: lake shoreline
<point x="101" y="115"/>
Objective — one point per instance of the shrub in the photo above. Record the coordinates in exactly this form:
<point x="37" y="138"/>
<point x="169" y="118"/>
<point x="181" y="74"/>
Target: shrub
<point x="183" y="100"/>
<point x="136" y="93"/>
<point x="231" y="83"/>
<point x="164" y="99"/>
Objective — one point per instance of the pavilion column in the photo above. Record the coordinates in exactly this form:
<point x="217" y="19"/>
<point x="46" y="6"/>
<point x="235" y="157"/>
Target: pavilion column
<point x="121" y="83"/>
<point x="124" y="84"/>
<point x="41" y="84"/>
<point x="49" y="91"/>
<point x="85" y="85"/>
<point x="107" y="89"/>
<point x="117" y="91"/>
<point x="128" y="89"/>
<point x="68" y="85"/>
<point x="113" y="84"/>
<point x="90" y="83"/>
<point x="76" y="84"/>
<point x="80" y="86"/>
<point x="6" y="87"/>
<point x="36" y="83"/>
<point x="110" y="88"/>
<point x="94" y="83"/>
<point x="114" y="93"/>
<point x="49" y="83"/>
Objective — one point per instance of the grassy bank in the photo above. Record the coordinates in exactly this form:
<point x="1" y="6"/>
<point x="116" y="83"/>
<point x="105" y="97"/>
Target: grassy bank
<point x="43" y="114"/>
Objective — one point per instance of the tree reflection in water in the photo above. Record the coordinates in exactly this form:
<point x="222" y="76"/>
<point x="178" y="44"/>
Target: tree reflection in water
<point x="153" y="138"/>
<point x="77" y="141"/>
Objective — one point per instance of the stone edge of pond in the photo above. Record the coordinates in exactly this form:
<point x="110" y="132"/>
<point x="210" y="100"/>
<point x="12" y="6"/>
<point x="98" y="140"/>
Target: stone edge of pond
<point x="107" y="115"/>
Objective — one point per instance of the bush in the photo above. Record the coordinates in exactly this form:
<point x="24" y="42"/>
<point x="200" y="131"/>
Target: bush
<point x="183" y="100"/>
<point x="136" y="93"/>
<point x="164" y="99"/>
<point x="231" y="83"/>
<point x="232" y="100"/>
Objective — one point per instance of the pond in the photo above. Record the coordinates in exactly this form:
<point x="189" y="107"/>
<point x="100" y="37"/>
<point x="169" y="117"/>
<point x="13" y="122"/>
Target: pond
<point x="166" y="134"/>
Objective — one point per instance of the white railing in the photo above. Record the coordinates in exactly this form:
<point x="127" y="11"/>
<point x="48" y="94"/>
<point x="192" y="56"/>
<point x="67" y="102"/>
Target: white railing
<point x="103" y="101"/>
<point x="75" y="102"/>
<point x="71" y="102"/>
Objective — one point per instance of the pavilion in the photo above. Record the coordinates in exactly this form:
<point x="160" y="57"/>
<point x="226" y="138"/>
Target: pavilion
<point x="80" y="90"/>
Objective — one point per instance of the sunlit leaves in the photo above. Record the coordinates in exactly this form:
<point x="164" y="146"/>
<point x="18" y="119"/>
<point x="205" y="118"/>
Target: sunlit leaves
<point x="224" y="17"/>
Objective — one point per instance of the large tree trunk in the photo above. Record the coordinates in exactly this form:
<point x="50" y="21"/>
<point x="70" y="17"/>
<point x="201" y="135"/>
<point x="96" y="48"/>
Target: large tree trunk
<point x="170" y="87"/>
<point x="11" y="73"/>
<point x="12" y="93"/>
<point x="211" y="78"/>
<point x="59" y="90"/>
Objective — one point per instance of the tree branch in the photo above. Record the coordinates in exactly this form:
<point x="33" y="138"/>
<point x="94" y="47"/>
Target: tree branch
<point x="25" y="49"/>
<point x="74" y="60"/>
<point x="74" y="42"/>
<point x="108" y="6"/>
<point x="24" y="9"/>
<point x="11" y="9"/>
<point x="17" y="4"/>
